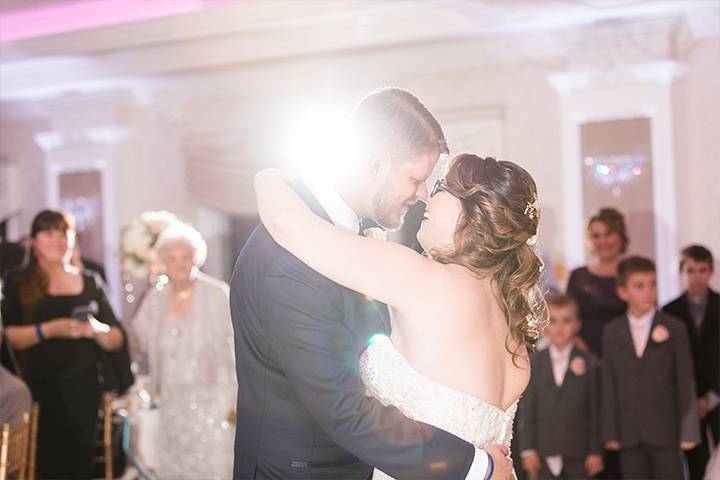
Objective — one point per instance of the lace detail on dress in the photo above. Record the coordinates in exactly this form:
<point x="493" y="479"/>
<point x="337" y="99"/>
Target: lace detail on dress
<point x="391" y="379"/>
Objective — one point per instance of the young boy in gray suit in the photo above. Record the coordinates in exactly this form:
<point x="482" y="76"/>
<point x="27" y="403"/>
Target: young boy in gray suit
<point x="559" y="413"/>
<point x="648" y="408"/>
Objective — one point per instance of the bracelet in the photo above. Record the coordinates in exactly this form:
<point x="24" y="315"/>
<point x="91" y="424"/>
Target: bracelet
<point x="39" y="333"/>
<point x="492" y="466"/>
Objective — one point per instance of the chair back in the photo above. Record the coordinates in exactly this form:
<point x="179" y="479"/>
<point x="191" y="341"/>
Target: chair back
<point x="14" y="449"/>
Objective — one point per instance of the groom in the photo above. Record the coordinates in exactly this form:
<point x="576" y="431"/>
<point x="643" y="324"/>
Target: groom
<point x="302" y="410"/>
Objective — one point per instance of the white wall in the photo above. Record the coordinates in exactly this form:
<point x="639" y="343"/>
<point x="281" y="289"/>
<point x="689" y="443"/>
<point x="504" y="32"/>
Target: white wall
<point x="697" y="152"/>
<point x="247" y="110"/>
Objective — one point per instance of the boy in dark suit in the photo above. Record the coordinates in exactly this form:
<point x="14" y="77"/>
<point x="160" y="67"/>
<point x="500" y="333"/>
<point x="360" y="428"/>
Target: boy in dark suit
<point x="648" y="408"/>
<point x="559" y="412"/>
<point x="699" y="308"/>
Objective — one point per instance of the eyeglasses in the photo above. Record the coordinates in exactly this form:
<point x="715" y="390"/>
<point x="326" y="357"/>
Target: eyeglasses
<point x="442" y="186"/>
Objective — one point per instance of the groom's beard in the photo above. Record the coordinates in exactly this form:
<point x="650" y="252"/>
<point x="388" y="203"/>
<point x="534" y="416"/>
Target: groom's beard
<point x="387" y="212"/>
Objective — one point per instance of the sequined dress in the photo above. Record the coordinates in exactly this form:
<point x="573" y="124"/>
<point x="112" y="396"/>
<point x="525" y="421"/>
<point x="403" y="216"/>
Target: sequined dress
<point x="192" y="370"/>
<point x="391" y="379"/>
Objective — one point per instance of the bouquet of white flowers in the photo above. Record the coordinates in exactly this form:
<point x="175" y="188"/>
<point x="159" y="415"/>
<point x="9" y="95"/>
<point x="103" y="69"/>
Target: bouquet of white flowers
<point x="137" y="243"/>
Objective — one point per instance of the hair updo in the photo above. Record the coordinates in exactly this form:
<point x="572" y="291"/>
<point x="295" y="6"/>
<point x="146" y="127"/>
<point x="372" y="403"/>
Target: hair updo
<point x="494" y="237"/>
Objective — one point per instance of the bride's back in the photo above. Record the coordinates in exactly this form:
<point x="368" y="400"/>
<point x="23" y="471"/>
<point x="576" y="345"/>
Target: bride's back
<point x="458" y="336"/>
<point x="477" y="301"/>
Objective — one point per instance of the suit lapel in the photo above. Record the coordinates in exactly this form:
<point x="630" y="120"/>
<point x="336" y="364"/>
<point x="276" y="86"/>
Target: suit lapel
<point x="651" y="345"/>
<point x="569" y="374"/>
<point x="551" y="371"/>
<point x="710" y="314"/>
<point x="627" y="338"/>
<point x="302" y="189"/>
<point x="693" y="330"/>
<point x="376" y="308"/>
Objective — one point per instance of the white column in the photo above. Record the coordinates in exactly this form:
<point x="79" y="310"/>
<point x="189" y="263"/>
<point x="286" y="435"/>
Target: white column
<point x="640" y="90"/>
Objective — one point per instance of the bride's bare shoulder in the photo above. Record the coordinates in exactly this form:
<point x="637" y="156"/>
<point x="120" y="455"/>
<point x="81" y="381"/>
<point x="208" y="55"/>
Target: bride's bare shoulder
<point x="452" y="277"/>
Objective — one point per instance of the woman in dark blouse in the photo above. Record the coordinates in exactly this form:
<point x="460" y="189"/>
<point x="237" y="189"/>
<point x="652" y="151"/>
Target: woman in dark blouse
<point x="60" y="323"/>
<point x="593" y="286"/>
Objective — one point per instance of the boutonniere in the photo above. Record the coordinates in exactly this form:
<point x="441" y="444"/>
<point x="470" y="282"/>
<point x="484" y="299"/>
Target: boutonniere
<point x="376" y="233"/>
<point x="660" y="334"/>
<point x="577" y="366"/>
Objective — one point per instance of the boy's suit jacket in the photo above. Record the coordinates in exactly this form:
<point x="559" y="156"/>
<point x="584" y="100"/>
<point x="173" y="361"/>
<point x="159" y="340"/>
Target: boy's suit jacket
<point x="704" y="341"/>
<point x="561" y="420"/>
<point x="648" y="400"/>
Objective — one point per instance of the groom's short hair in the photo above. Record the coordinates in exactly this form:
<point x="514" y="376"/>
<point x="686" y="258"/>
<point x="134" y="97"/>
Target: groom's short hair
<point x="391" y="119"/>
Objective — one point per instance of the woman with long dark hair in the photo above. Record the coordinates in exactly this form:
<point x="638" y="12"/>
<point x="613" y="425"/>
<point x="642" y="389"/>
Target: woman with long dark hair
<point x="60" y="323"/>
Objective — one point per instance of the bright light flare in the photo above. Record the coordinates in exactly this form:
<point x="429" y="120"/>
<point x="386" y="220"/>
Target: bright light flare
<point x="318" y="142"/>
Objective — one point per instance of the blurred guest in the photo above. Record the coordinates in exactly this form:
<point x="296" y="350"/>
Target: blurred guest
<point x="648" y="388"/>
<point x="13" y="255"/>
<point x="593" y="286"/>
<point x="559" y="412"/>
<point x="186" y="333"/>
<point x="59" y="322"/>
<point x="15" y="399"/>
<point x="699" y="308"/>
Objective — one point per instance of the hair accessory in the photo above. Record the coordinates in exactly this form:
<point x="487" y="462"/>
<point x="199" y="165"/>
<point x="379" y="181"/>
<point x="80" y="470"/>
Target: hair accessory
<point x="532" y="209"/>
<point x="533" y="331"/>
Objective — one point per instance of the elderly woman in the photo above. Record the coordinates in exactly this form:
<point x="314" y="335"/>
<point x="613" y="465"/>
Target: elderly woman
<point x="184" y="328"/>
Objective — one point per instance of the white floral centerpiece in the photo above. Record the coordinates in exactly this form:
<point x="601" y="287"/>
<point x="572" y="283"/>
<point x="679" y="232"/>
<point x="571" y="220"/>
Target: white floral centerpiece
<point x="137" y="243"/>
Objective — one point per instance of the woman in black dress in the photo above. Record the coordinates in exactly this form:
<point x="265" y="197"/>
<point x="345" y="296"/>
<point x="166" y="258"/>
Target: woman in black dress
<point x="593" y="286"/>
<point x="60" y="323"/>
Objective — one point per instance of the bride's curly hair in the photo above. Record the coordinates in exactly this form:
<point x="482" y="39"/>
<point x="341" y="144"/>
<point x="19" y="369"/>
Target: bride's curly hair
<point x="495" y="236"/>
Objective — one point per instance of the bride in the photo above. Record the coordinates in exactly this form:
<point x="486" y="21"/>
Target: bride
<point x="463" y="317"/>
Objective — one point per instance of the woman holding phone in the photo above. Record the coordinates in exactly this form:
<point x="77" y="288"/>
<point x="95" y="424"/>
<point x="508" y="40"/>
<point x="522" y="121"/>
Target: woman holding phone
<point x="59" y="322"/>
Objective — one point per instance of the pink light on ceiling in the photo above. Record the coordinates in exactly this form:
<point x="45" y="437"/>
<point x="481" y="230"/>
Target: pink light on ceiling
<point x="80" y="15"/>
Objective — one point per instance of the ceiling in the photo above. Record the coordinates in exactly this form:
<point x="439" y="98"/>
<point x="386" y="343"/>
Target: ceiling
<point x="226" y="33"/>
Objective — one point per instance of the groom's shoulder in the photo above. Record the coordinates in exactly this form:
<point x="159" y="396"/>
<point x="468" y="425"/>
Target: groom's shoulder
<point x="260" y="250"/>
<point x="262" y="257"/>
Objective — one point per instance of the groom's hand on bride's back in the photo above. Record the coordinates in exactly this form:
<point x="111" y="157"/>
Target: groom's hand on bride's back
<point x="503" y="466"/>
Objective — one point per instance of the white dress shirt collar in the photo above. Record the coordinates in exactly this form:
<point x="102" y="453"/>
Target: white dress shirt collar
<point x="560" y="359"/>
<point x="644" y="320"/>
<point x="340" y="213"/>
<point x="558" y="353"/>
<point x="640" y="330"/>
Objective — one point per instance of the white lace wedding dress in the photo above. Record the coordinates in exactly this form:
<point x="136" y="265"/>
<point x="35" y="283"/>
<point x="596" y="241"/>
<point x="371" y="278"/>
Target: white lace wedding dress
<point x="391" y="379"/>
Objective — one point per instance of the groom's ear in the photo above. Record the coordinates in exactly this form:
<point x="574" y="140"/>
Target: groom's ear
<point x="380" y="164"/>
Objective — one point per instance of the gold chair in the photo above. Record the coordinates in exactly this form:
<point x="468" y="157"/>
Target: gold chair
<point x="34" y="415"/>
<point x="17" y="451"/>
<point x="107" y="454"/>
<point x="107" y="440"/>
